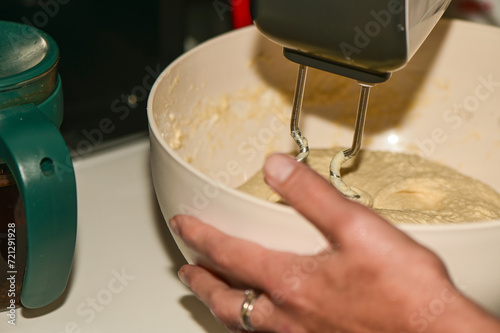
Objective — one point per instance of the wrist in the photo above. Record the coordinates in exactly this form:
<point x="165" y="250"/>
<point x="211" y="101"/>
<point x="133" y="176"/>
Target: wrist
<point x="455" y="313"/>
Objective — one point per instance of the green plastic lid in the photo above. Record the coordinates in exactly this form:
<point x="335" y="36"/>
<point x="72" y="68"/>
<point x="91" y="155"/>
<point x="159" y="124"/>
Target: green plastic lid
<point x="25" y="53"/>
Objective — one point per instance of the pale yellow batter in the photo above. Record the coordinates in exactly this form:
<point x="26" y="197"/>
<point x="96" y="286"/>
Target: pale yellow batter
<point x="405" y="188"/>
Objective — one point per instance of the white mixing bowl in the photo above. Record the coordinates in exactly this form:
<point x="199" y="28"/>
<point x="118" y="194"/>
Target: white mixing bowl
<point x="218" y="110"/>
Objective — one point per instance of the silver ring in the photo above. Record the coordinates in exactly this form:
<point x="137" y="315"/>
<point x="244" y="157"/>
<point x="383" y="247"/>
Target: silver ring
<point x="246" y="309"/>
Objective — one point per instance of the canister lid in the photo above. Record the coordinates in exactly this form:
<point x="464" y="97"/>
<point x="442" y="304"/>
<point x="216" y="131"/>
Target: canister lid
<point x="25" y="53"/>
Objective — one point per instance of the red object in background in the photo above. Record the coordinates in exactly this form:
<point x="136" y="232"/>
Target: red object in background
<point x="241" y="13"/>
<point x="474" y="6"/>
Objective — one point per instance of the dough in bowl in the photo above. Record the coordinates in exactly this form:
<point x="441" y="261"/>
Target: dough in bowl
<point x="405" y="188"/>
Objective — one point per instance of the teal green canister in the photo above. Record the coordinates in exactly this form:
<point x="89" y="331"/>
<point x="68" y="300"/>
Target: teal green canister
<point x="38" y="203"/>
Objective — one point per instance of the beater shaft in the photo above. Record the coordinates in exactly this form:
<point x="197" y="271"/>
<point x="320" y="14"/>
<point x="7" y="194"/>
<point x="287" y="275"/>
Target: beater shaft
<point x="297" y="108"/>
<point x="360" y="121"/>
<point x="343" y="156"/>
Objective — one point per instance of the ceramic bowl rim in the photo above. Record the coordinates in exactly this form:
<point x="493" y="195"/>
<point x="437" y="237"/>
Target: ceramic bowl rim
<point x="154" y="129"/>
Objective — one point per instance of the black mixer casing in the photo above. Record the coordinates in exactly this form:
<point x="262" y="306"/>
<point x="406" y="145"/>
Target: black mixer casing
<point x="364" y="40"/>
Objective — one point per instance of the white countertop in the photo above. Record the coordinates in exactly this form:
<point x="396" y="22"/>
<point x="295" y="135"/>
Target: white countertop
<point x="124" y="276"/>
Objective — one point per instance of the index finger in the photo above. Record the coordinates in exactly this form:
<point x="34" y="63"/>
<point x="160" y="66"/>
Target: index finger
<point x="317" y="200"/>
<point x="236" y="259"/>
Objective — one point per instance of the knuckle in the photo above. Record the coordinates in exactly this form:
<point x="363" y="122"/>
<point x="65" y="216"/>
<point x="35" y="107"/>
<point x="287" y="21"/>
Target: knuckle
<point x="219" y="255"/>
<point x="217" y="298"/>
<point x="221" y="313"/>
<point x="297" y="299"/>
<point x="434" y="262"/>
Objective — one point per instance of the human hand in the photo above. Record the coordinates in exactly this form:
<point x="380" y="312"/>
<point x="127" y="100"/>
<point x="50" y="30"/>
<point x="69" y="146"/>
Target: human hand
<point x="373" y="277"/>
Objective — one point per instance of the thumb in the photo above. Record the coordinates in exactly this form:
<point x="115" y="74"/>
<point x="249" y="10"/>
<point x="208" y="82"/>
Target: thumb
<point x="314" y="197"/>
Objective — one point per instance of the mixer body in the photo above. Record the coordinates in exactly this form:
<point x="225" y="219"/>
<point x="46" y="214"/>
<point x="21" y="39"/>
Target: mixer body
<point x="364" y="40"/>
<point x="361" y="39"/>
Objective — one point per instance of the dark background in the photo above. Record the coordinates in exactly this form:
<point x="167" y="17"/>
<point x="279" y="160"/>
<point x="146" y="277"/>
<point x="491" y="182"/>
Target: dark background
<point x="111" y="52"/>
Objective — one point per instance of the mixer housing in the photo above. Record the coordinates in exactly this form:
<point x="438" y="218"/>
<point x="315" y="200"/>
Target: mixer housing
<point x="364" y="40"/>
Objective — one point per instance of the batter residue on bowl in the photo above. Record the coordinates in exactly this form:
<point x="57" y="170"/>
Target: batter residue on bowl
<point x="405" y="188"/>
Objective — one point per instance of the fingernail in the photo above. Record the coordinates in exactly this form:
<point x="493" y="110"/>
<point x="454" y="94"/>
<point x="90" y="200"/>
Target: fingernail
<point x="182" y="276"/>
<point x="279" y="167"/>
<point x="174" y="225"/>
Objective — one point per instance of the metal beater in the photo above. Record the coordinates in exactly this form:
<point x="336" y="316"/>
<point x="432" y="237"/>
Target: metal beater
<point x="365" y="40"/>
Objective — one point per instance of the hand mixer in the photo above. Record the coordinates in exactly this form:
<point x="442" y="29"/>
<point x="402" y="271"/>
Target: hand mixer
<point x="364" y="40"/>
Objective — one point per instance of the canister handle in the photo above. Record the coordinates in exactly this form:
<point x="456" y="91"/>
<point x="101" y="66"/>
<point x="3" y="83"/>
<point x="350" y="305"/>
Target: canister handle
<point x="34" y="150"/>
